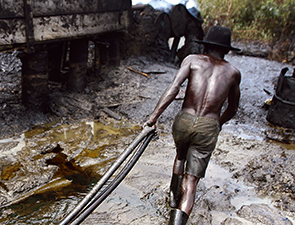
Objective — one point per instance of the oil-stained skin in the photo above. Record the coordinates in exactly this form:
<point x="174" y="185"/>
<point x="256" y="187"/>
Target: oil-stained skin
<point x="210" y="82"/>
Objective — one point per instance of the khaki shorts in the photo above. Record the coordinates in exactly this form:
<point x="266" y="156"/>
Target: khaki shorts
<point x="195" y="139"/>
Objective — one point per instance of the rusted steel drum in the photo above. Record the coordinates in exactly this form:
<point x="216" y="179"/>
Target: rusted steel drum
<point x="35" y="80"/>
<point x="78" y="65"/>
<point x="282" y="108"/>
<point x="163" y="24"/>
<point x="55" y="54"/>
<point x="179" y="18"/>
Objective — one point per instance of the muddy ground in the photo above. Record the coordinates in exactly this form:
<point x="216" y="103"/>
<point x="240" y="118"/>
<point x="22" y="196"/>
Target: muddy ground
<point x="250" y="179"/>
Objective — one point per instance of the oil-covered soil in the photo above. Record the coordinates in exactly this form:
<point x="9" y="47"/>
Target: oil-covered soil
<point x="250" y="179"/>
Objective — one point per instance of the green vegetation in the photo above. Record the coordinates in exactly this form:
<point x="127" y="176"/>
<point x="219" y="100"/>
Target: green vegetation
<point x="264" y="20"/>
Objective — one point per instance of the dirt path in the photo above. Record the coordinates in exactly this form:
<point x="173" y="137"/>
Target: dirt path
<point x="250" y="179"/>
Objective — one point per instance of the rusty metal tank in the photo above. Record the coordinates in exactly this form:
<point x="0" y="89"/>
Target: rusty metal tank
<point x="282" y="108"/>
<point x="39" y="21"/>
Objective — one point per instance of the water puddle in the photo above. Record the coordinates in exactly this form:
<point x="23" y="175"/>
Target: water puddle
<point x="244" y="194"/>
<point x="48" y="170"/>
<point x="20" y="141"/>
<point x="278" y="135"/>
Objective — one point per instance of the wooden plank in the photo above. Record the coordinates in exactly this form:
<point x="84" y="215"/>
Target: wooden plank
<point x="13" y="31"/>
<point x="14" y="8"/>
<point x="11" y="9"/>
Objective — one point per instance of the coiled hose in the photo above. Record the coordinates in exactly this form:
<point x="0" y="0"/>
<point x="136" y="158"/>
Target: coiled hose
<point x="95" y="197"/>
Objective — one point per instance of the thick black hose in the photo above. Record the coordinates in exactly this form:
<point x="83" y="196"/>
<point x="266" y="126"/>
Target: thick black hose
<point x="100" y="193"/>
<point x="105" y="188"/>
<point x="147" y="130"/>
<point x="119" y="178"/>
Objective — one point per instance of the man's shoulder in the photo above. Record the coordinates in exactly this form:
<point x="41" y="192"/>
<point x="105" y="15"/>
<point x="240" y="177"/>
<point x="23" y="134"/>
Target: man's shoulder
<point x="195" y="56"/>
<point x="234" y="72"/>
<point x="194" y="59"/>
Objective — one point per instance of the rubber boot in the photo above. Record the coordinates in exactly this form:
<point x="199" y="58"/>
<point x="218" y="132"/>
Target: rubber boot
<point x="178" y="217"/>
<point x="175" y="190"/>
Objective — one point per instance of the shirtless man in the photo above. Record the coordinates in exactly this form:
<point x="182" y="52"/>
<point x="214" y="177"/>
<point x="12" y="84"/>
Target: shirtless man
<point x="211" y="80"/>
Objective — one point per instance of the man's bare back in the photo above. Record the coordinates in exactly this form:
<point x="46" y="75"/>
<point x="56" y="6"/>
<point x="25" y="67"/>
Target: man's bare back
<point x="210" y="82"/>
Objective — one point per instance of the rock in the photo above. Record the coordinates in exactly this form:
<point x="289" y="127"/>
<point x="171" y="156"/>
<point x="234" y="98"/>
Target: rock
<point x="10" y="77"/>
<point x="262" y="214"/>
<point x="255" y="49"/>
<point x="232" y="221"/>
<point x="66" y="104"/>
<point x="112" y="113"/>
<point x="285" y="203"/>
<point x="273" y="174"/>
<point x="284" y="49"/>
<point x="201" y="216"/>
<point x="214" y="199"/>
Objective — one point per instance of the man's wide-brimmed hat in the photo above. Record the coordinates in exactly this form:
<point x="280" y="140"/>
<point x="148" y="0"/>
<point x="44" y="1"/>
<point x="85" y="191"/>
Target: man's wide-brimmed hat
<point x="219" y="36"/>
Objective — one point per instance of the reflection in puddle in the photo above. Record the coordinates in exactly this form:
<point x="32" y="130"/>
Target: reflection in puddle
<point x="69" y="157"/>
<point x="20" y="144"/>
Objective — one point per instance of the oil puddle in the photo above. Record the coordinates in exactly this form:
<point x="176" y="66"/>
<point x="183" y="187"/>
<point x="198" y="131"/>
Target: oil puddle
<point x="46" y="171"/>
<point x="288" y="146"/>
<point x="281" y="136"/>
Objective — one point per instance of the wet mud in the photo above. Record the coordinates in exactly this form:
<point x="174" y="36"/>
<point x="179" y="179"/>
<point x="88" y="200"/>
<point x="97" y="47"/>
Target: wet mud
<point x="250" y="179"/>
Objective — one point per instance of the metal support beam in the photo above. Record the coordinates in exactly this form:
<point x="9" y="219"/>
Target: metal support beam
<point x="29" y="26"/>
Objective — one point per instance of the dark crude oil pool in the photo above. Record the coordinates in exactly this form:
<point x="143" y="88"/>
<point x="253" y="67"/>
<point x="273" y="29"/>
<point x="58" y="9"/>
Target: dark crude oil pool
<point x="57" y="165"/>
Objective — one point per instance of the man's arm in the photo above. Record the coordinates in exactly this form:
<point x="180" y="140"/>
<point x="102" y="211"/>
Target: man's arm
<point x="233" y="101"/>
<point x="169" y="94"/>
